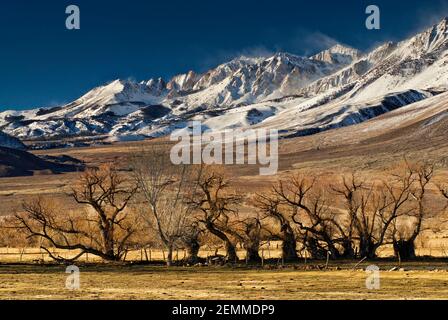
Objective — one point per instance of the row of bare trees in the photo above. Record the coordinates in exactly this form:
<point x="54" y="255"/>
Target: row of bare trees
<point x="102" y="227"/>
<point x="189" y="206"/>
<point x="370" y="215"/>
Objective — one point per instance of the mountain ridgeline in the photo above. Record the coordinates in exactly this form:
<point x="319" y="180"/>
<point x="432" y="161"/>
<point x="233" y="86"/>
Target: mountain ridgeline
<point x="338" y="87"/>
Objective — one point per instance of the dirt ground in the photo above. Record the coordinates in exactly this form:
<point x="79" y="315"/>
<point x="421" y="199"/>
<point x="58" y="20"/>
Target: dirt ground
<point x="150" y="282"/>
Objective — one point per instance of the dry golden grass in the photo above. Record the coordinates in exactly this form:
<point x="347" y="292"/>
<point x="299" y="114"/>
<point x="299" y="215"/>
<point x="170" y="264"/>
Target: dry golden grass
<point x="139" y="282"/>
<point x="342" y="279"/>
<point x="28" y="255"/>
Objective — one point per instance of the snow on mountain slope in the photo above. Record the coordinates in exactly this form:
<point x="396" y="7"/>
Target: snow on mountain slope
<point x="427" y="112"/>
<point x="352" y="73"/>
<point x="337" y="87"/>
<point x="304" y="120"/>
<point x="416" y="131"/>
<point x="338" y="54"/>
<point x="115" y="108"/>
<point x="407" y="66"/>
<point x="424" y="118"/>
<point x="417" y="63"/>
<point x="183" y="82"/>
<point x="245" y="81"/>
<point x="224" y="71"/>
<point x="119" y="97"/>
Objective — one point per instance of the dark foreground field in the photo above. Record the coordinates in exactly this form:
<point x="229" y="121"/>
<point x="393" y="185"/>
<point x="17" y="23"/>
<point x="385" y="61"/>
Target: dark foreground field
<point x="415" y="281"/>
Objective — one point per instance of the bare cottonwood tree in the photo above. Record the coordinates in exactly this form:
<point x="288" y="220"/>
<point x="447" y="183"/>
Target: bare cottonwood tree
<point x="318" y="225"/>
<point x="370" y="218"/>
<point x="315" y="220"/>
<point x="278" y="217"/>
<point x="191" y="240"/>
<point x="380" y="206"/>
<point x="406" y="232"/>
<point x="216" y="205"/>
<point x="349" y="190"/>
<point x="165" y="188"/>
<point x="104" y="231"/>
<point x="251" y="234"/>
<point x="372" y="211"/>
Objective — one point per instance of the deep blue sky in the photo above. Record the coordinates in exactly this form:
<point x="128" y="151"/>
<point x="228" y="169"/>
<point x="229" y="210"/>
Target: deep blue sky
<point x="42" y="63"/>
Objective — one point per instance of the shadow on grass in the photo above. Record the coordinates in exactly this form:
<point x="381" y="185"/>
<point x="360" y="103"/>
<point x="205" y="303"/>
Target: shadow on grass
<point x="385" y="264"/>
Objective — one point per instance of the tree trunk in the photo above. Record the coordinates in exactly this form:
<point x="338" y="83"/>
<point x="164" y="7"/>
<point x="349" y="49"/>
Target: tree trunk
<point x="316" y="252"/>
<point x="347" y="250"/>
<point x="404" y="249"/>
<point x="289" y="246"/>
<point x="367" y="248"/>
<point x="193" y="247"/>
<point x="169" y="259"/>
<point x="252" y="254"/>
<point x="231" y="255"/>
<point x="231" y="252"/>
<point x="108" y="242"/>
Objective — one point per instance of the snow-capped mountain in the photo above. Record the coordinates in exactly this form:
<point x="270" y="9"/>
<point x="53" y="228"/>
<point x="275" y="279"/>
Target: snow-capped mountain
<point x="338" y="54"/>
<point x="337" y="87"/>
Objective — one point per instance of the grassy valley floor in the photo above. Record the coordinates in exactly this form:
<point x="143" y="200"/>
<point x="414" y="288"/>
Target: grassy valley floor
<point x="416" y="281"/>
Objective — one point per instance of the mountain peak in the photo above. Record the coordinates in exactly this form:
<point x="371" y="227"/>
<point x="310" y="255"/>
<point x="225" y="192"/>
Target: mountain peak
<point x="284" y="56"/>
<point x="430" y="40"/>
<point x="338" y="54"/>
<point x="288" y="57"/>
<point x="340" y="48"/>
<point x="443" y="25"/>
<point x="326" y="89"/>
